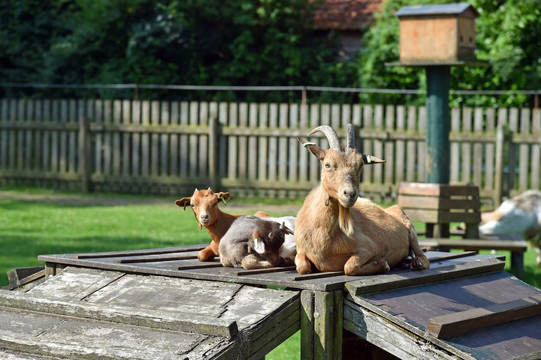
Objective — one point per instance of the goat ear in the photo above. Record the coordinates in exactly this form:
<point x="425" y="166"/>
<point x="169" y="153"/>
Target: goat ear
<point x="286" y="230"/>
<point x="183" y="202"/>
<point x="223" y="196"/>
<point x="370" y="160"/>
<point x="314" y="149"/>
<point x="259" y="245"/>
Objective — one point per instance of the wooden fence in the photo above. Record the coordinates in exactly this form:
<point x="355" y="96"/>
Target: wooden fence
<point x="251" y="148"/>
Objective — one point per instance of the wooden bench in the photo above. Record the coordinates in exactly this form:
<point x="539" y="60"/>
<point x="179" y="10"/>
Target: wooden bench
<point x="438" y="205"/>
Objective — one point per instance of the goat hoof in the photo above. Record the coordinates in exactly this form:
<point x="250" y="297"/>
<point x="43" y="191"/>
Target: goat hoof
<point x="407" y="263"/>
<point x="419" y="264"/>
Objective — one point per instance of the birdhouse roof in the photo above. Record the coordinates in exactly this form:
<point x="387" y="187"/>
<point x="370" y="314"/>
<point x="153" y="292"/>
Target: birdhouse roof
<point x="455" y="9"/>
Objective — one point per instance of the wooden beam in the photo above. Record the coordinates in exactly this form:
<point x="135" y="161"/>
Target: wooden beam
<point x="477" y="318"/>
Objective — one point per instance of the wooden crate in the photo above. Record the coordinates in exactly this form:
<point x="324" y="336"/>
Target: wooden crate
<point x="438" y="205"/>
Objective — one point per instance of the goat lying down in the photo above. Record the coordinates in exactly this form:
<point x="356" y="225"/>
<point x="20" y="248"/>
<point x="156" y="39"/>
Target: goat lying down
<point x="519" y="215"/>
<point x="336" y="230"/>
<point x="253" y="242"/>
<point x="204" y="204"/>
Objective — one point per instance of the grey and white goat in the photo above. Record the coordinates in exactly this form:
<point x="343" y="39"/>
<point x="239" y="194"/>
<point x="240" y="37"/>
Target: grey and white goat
<point x="253" y="242"/>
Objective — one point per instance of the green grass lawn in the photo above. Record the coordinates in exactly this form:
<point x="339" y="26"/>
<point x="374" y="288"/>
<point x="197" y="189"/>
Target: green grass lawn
<point x="36" y="221"/>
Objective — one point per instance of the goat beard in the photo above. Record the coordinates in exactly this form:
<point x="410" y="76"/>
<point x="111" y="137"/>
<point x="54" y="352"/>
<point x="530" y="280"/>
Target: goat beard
<point x="344" y="220"/>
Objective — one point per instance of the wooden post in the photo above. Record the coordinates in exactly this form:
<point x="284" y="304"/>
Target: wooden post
<point x="500" y="146"/>
<point x="84" y="153"/>
<point x="321" y="325"/>
<point x="438" y="80"/>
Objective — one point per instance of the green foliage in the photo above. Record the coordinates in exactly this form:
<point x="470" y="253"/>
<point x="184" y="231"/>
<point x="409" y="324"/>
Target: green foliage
<point x="508" y="32"/>
<point x="197" y="42"/>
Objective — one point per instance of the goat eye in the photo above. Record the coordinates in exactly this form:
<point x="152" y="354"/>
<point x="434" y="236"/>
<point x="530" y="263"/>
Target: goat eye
<point x="328" y="166"/>
<point x="192" y="205"/>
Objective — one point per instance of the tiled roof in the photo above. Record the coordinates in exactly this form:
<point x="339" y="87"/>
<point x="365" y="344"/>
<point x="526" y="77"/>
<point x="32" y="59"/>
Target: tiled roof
<point x="344" y="14"/>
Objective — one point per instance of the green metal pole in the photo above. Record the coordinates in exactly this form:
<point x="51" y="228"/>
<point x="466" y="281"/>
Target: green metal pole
<point x="438" y="81"/>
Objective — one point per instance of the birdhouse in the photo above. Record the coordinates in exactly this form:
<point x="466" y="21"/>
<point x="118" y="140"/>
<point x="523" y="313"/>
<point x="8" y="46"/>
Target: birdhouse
<point x="437" y="34"/>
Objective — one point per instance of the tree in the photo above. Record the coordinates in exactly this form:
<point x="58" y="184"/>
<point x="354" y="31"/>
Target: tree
<point x="507" y="38"/>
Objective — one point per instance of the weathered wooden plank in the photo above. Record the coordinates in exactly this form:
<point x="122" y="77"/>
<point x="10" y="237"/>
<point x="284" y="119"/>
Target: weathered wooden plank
<point x="198" y="266"/>
<point x="265" y="270"/>
<point x="126" y="117"/>
<point x="476" y="244"/>
<point x="323" y="325"/>
<point x="136" y="140"/>
<point x="148" y="259"/>
<point x="27" y="157"/>
<point x="142" y="252"/>
<point x="60" y="337"/>
<point x="393" y="281"/>
<point x="156" y="319"/>
<point x="318" y="275"/>
<point x="442" y="216"/>
<point x="469" y="320"/>
<point x="437" y="203"/>
<point x="422" y="189"/>
<point x="393" y="339"/>
<point x="46" y="160"/>
<point x="307" y="325"/>
<point x="74" y="107"/>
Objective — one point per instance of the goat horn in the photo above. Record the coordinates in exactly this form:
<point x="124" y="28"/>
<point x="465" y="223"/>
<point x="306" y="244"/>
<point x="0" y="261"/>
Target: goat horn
<point x="332" y="138"/>
<point x="350" y="141"/>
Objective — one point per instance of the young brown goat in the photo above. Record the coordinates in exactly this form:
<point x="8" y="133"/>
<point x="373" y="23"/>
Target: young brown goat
<point x="253" y="243"/>
<point x="204" y="204"/>
<point x="336" y="230"/>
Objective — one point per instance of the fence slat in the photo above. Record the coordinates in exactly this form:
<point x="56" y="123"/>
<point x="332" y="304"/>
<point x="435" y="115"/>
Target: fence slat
<point x="202" y="161"/>
<point x="173" y="151"/>
<point x="489" y="150"/>
<point x="253" y="147"/>
<point x="524" y="153"/>
<point x="400" y="146"/>
<point x="466" y="146"/>
<point x="273" y="147"/>
<point x="478" y="148"/>
<point x="389" y="145"/>
<point x="126" y="117"/>
<point x="536" y="150"/>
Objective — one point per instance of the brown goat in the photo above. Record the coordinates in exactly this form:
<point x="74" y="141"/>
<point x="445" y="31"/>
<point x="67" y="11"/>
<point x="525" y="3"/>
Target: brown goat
<point x="336" y="230"/>
<point x="204" y="204"/>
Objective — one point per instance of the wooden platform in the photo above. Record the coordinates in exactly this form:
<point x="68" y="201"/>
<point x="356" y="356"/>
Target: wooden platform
<point x="111" y="305"/>
<point x="90" y="313"/>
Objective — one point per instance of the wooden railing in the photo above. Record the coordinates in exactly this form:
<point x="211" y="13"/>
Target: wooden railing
<point x="251" y="148"/>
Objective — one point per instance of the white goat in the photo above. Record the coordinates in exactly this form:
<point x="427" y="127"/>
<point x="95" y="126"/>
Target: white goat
<point x="519" y="215"/>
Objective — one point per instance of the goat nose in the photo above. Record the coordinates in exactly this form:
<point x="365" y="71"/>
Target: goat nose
<point x="351" y="194"/>
<point x="204" y="217"/>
